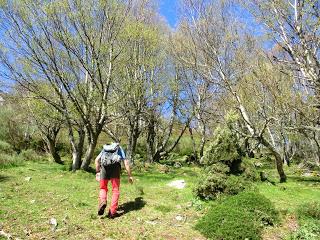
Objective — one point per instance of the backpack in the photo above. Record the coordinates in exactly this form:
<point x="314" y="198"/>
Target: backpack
<point x="110" y="154"/>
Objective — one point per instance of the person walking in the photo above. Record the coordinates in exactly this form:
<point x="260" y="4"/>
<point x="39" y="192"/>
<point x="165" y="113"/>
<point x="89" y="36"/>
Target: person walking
<point x="108" y="168"/>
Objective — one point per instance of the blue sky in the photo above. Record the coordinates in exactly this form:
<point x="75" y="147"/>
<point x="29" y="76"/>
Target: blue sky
<point x="169" y="9"/>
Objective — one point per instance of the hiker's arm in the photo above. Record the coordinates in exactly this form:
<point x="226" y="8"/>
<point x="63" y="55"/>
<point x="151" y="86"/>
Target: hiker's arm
<point x="127" y="166"/>
<point x="97" y="162"/>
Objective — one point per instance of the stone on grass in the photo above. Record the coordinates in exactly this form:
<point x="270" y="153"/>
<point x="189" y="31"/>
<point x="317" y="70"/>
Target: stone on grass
<point x="179" y="184"/>
<point x="179" y="218"/>
<point x="53" y="222"/>
<point x="27" y="179"/>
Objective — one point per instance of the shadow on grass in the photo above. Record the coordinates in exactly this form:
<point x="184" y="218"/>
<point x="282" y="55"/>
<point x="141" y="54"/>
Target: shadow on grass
<point x="4" y="178"/>
<point x="135" y="205"/>
<point x="304" y="179"/>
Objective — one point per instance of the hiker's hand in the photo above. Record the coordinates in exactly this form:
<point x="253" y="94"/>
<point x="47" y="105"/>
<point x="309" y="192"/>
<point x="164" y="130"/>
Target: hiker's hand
<point x="130" y="179"/>
<point x="98" y="176"/>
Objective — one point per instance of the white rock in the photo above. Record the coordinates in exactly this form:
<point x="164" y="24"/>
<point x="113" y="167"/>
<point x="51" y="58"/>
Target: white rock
<point x="53" y="222"/>
<point x="27" y="179"/>
<point x="179" y="218"/>
<point x="179" y="184"/>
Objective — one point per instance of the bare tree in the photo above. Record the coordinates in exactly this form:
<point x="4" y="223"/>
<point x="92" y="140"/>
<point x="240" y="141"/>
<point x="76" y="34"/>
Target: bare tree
<point x="222" y="53"/>
<point x="73" y="46"/>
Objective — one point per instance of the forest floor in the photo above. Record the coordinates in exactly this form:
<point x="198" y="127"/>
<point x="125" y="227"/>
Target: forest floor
<point x="35" y="194"/>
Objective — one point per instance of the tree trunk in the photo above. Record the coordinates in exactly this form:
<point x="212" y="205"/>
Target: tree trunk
<point x="77" y="148"/>
<point x="89" y="153"/>
<point x="194" y="147"/>
<point x="93" y="136"/>
<point x="134" y="134"/>
<point x="269" y="146"/>
<point x="151" y="134"/>
<point x="279" y="160"/>
<point x="203" y="139"/>
<point x="51" y="143"/>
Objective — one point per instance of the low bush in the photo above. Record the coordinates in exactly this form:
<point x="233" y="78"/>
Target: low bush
<point x="308" y="231"/>
<point x="6" y="147"/>
<point x="238" y="217"/>
<point x="309" y="210"/>
<point x="30" y="155"/>
<point x="309" y="221"/>
<point x="10" y="160"/>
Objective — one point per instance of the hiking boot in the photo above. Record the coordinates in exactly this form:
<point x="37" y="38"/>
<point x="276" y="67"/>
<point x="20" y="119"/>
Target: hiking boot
<point x="112" y="216"/>
<point x="102" y="207"/>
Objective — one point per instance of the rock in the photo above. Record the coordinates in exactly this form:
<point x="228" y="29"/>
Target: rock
<point x="27" y="232"/>
<point x="28" y="179"/>
<point x="33" y="201"/>
<point x="53" y="222"/>
<point x="307" y="174"/>
<point x="177" y="165"/>
<point x="179" y="218"/>
<point x="179" y="184"/>
<point x="4" y="234"/>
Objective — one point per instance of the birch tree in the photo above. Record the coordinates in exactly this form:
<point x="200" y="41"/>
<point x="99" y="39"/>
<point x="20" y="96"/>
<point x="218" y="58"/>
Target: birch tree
<point x="223" y="56"/>
<point x="73" y="46"/>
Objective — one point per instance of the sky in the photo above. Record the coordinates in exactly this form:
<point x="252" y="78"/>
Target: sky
<point x="168" y="9"/>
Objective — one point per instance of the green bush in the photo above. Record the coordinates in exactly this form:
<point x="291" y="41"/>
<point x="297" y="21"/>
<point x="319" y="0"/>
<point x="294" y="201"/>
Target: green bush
<point x="308" y="231"/>
<point x="309" y="221"/>
<point x="9" y="160"/>
<point x="225" y="149"/>
<point x="310" y="210"/>
<point x="227" y="170"/>
<point x="30" y="155"/>
<point x="6" y="147"/>
<point x="210" y="186"/>
<point x="235" y="185"/>
<point x="238" y="217"/>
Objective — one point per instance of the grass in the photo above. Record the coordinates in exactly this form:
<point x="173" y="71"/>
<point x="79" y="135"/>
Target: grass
<point x="288" y="198"/>
<point x="150" y="206"/>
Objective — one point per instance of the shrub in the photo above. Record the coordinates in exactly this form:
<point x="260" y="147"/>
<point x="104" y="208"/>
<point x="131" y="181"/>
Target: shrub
<point x="9" y="160"/>
<point x="310" y="210"/>
<point x="308" y="231"/>
<point x="238" y="217"/>
<point x="6" y="147"/>
<point x="227" y="170"/>
<point x="210" y="186"/>
<point x="29" y="155"/>
<point x="235" y="185"/>
<point x="309" y="220"/>
<point x="225" y="149"/>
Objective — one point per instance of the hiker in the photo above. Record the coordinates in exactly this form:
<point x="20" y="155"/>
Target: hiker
<point x="108" y="167"/>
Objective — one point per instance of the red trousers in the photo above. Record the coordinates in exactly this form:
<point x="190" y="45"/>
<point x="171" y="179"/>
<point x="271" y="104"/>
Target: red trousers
<point x="115" y="182"/>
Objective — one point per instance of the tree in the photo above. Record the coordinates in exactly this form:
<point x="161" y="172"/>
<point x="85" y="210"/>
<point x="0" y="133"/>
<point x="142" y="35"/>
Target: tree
<point x="222" y="54"/>
<point x="73" y="47"/>
<point x="144" y="57"/>
<point x="48" y="121"/>
<point x="294" y="26"/>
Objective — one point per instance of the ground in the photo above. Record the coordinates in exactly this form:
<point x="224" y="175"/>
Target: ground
<point x="34" y="194"/>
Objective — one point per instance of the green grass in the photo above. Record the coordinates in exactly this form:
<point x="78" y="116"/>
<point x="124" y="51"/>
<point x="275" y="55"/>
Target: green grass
<point x="152" y="207"/>
<point x="71" y="198"/>
<point x="288" y="198"/>
<point x="296" y="191"/>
